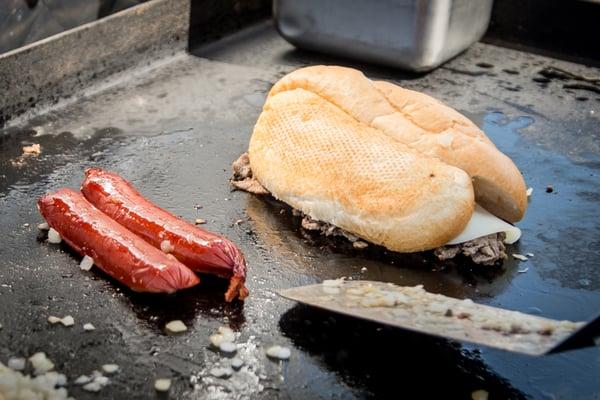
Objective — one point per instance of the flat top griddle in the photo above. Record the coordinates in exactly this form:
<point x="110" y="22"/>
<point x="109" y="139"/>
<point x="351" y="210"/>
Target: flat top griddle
<point x="174" y="127"/>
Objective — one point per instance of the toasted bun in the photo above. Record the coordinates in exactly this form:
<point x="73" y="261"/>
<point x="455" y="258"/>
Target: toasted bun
<point x="424" y="124"/>
<point x="312" y="154"/>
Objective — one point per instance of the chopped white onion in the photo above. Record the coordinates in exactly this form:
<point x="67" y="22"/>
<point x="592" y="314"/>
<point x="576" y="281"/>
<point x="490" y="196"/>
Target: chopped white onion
<point x="519" y="257"/>
<point x="101" y="380"/>
<point x="14" y="384"/>
<point x="41" y="364"/>
<point x="237" y="363"/>
<point x="176" y="326"/>
<point x="88" y="327"/>
<point x="529" y="254"/>
<point x="162" y="385"/>
<point x="54" y="378"/>
<point x="166" y="246"/>
<point x="54" y="320"/>
<point x="43" y="226"/>
<point x="279" y="352"/>
<point x="82" y="380"/>
<point x="54" y="236"/>
<point x="67" y="321"/>
<point x="16" y="363"/>
<point x="110" y="368"/>
<point x="529" y="191"/>
<point x="480" y="395"/>
<point x="228" y="347"/>
<point x="216" y="339"/>
<point x="92" y="387"/>
<point x="86" y="263"/>
<point x="225" y="372"/>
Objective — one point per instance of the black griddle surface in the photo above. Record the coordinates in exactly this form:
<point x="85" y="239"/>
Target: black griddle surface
<point x="173" y="130"/>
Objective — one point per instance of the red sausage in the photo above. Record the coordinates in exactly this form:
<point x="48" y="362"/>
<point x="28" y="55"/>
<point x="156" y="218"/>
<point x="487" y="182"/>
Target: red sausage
<point x="114" y="249"/>
<point x="200" y="250"/>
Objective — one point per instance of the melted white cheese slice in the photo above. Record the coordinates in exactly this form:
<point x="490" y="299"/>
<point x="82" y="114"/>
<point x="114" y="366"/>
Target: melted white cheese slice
<point x="484" y="223"/>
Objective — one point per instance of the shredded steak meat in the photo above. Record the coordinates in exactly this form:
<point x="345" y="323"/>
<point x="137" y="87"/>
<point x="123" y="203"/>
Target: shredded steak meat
<point x="242" y="176"/>
<point x="486" y="250"/>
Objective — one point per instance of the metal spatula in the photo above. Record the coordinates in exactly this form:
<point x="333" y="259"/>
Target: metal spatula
<point x="415" y="309"/>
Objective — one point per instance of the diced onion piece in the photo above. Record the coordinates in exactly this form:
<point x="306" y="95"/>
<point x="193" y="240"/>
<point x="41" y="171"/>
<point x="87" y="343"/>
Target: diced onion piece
<point x="176" y="326"/>
<point x="166" y="247"/>
<point x="54" y="320"/>
<point x="86" y="263"/>
<point x="520" y="257"/>
<point x="43" y="226"/>
<point x="67" y="321"/>
<point x="88" y="327"/>
<point x="54" y="379"/>
<point x="480" y="395"/>
<point x="110" y="368"/>
<point x="484" y="223"/>
<point x="54" y="236"/>
<point x="228" y="347"/>
<point x="82" y="380"/>
<point x="92" y="387"/>
<point x="102" y="380"/>
<point x="221" y="372"/>
<point x="216" y="339"/>
<point x="16" y="363"/>
<point x="162" y="385"/>
<point x="237" y="363"/>
<point x="41" y="364"/>
<point x="529" y="191"/>
<point x="279" y="352"/>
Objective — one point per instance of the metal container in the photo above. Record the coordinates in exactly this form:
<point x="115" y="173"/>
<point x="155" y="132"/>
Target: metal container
<point x="417" y="35"/>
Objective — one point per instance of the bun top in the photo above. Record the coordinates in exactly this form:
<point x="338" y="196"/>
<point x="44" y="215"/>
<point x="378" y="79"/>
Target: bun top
<point x="422" y="123"/>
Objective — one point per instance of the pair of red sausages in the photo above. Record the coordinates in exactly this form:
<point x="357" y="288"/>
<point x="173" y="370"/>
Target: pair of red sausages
<point x="138" y="243"/>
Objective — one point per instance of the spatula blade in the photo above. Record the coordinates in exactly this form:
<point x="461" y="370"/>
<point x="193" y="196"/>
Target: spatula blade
<point x="415" y="309"/>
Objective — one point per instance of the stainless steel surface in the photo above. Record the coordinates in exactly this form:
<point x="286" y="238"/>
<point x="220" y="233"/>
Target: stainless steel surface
<point x="415" y="309"/>
<point x="417" y="35"/>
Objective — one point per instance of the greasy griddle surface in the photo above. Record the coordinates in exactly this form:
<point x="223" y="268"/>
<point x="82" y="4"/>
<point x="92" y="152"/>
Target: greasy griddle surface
<point x="174" y="130"/>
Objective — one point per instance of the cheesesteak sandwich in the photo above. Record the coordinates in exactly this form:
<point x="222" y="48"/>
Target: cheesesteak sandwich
<point x="384" y="165"/>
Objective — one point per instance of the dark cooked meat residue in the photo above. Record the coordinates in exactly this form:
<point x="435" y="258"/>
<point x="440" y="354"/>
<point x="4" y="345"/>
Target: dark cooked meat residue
<point x="486" y="250"/>
<point x="242" y="176"/>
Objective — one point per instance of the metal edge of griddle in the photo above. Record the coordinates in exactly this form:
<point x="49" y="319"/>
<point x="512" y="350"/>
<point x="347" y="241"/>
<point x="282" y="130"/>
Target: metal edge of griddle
<point x="47" y="74"/>
<point x="40" y="75"/>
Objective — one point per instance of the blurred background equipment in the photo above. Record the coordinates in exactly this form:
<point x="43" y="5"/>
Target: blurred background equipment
<point x="411" y="34"/>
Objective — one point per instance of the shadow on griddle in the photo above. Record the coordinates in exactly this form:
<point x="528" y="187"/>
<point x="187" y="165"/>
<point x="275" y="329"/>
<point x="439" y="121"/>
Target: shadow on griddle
<point x="206" y="299"/>
<point x="157" y="309"/>
<point x="470" y="272"/>
<point x="389" y="362"/>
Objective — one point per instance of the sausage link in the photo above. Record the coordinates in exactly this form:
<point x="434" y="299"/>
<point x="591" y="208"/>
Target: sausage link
<point x="200" y="250"/>
<point x="114" y="249"/>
